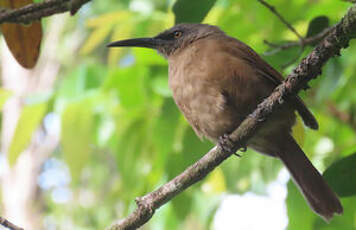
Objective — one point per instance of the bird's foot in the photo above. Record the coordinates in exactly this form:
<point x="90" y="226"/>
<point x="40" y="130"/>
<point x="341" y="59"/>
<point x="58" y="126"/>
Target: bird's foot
<point x="227" y="145"/>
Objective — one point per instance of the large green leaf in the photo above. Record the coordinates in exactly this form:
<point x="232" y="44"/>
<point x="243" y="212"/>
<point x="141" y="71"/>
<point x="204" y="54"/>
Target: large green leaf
<point x="129" y="84"/>
<point x="30" y="118"/>
<point x="317" y="25"/>
<point x="182" y="204"/>
<point x="164" y="133"/>
<point x="129" y="149"/>
<point x="341" y="176"/>
<point x="187" y="11"/>
<point x="77" y="126"/>
<point x="332" y="73"/>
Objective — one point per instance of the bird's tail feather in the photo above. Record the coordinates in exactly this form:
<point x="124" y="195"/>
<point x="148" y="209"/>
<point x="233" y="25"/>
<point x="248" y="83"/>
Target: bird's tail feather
<point x="313" y="186"/>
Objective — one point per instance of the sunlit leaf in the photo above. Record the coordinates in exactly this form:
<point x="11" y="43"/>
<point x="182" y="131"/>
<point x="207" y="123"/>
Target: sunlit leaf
<point x="298" y="132"/>
<point x="102" y="26"/>
<point x="109" y="18"/>
<point x="121" y="31"/>
<point x="30" y="118"/>
<point x="4" y="95"/>
<point x="23" y="40"/>
<point x="77" y="126"/>
<point x="148" y="57"/>
<point x="215" y="183"/>
<point x="160" y="86"/>
<point x="191" y="11"/>
<point x="341" y="176"/>
<point x="96" y="38"/>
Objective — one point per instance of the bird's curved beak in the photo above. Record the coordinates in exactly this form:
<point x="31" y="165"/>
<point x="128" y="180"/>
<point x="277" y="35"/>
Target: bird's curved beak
<point x="152" y="43"/>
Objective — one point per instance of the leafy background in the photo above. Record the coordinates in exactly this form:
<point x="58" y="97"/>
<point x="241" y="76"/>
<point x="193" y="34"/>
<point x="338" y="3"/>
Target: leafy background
<point x="122" y="136"/>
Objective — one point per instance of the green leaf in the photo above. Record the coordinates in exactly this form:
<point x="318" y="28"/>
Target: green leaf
<point x="215" y="182"/>
<point x="182" y="204"/>
<point x="164" y="132"/>
<point x="329" y="81"/>
<point x="160" y="86"/>
<point x="299" y="213"/>
<point x="130" y="147"/>
<point x="129" y="83"/>
<point x="187" y="11"/>
<point x="298" y="132"/>
<point x="4" y="95"/>
<point x="317" y="25"/>
<point x="341" y="176"/>
<point x="77" y="126"/>
<point x="30" y="118"/>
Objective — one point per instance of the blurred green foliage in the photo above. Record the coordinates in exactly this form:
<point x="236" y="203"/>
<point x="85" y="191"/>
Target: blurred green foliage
<point x="122" y="135"/>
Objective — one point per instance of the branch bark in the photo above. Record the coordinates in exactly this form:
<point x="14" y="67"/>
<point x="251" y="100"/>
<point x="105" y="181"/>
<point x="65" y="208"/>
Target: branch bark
<point x="4" y="222"/>
<point x="308" y="69"/>
<point x="37" y="11"/>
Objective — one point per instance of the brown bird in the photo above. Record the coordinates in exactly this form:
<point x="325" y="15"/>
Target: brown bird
<point x="217" y="81"/>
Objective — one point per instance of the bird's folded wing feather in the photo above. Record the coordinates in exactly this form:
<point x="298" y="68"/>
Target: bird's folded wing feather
<point x="268" y="72"/>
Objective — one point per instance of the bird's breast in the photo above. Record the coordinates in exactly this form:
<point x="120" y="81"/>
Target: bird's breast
<point x="200" y="100"/>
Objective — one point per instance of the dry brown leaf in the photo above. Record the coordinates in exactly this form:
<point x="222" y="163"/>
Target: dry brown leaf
<point x="23" y="40"/>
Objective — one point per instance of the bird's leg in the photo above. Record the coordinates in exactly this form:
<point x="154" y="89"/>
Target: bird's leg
<point x="227" y="145"/>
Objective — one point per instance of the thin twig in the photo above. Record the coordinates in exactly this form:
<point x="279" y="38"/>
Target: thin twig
<point x="307" y="41"/>
<point x="36" y="11"/>
<point x="302" y="42"/>
<point x="309" y="68"/>
<point x="285" y="22"/>
<point x="4" y="222"/>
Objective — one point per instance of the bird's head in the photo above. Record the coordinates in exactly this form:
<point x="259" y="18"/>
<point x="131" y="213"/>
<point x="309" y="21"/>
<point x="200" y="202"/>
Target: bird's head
<point x="172" y="40"/>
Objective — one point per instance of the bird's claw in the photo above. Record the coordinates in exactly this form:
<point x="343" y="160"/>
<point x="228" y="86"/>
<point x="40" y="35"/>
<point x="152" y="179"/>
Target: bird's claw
<point x="243" y="148"/>
<point x="236" y="154"/>
<point x="227" y="145"/>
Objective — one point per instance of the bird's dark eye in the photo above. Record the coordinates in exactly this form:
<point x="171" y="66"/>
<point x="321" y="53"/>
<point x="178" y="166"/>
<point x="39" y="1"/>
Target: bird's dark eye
<point x="177" y="34"/>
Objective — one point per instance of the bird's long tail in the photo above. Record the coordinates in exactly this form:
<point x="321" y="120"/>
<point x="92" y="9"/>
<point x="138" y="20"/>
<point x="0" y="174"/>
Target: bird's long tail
<point x="313" y="186"/>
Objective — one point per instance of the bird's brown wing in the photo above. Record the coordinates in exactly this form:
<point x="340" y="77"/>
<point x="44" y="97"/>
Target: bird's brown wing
<point x="268" y="72"/>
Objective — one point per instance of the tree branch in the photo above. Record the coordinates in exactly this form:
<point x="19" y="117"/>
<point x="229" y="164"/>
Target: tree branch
<point x="37" y="11"/>
<point x="4" y="222"/>
<point x="309" y="68"/>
